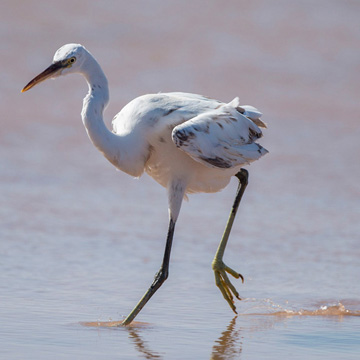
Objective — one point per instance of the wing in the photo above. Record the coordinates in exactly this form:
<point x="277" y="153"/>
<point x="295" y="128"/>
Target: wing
<point x="222" y="138"/>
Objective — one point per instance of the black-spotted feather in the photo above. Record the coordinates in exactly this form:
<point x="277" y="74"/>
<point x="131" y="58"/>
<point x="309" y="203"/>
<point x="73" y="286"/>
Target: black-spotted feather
<point x="222" y="138"/>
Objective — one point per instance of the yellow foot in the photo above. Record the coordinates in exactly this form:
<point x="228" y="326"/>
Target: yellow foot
<point x="223" y="283"/>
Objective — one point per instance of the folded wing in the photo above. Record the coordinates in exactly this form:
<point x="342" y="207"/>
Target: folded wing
<point x="222" y="138"/>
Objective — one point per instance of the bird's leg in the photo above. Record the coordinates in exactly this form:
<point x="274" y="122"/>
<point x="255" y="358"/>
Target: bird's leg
<point x="220" y="269"/>
<point x="159" y="279"/>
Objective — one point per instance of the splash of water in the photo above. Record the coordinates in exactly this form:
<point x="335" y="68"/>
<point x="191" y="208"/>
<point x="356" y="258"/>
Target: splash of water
<point x="268" y="307"/>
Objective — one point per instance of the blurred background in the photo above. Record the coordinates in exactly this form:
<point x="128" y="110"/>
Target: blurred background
<point x="77" y="237"/>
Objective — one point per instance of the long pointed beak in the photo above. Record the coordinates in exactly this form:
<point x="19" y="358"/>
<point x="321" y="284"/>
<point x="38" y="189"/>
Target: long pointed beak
<point x="46" y="74"/>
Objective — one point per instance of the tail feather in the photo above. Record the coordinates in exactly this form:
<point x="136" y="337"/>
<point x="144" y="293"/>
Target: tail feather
<point x="249" y="111"/>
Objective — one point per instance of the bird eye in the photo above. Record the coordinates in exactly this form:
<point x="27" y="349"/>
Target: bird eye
<point x="71" y="60"/>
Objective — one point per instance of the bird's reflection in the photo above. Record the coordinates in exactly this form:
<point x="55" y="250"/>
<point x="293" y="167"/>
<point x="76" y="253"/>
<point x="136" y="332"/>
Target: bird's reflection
<point x="140" y="345"/>
<point x="228" y="346"/>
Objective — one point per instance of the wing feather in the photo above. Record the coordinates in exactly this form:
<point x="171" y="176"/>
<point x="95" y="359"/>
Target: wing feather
<point x="222" y="138"/>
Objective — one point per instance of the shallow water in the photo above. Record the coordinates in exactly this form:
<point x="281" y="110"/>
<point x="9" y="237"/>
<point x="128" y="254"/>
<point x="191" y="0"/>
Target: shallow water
<point x="80" y="242"/>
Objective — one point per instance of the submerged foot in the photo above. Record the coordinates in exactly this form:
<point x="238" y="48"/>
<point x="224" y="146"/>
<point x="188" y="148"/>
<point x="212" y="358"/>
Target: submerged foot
<point x="223" y="283"/>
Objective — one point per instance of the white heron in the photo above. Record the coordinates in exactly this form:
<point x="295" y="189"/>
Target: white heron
<point x="188" y="143"/>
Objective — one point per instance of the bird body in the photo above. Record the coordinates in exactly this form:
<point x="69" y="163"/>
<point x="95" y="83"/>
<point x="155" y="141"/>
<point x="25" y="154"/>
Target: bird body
<point x="188" y="143"/>
<point x="173" y="136"/>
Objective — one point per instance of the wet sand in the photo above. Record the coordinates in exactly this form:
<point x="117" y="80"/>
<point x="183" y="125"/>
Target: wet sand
<point x="80" y="242"/>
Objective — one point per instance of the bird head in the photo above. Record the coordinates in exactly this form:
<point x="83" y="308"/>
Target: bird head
<point x="68" y="59"/>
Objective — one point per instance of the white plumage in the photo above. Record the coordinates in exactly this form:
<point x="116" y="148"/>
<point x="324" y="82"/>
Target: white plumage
<point x="216" y="135"/>
<point x="188" y="143"/>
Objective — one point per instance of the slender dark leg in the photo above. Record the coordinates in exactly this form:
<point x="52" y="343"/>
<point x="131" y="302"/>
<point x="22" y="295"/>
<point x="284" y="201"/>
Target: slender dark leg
<point x="220" y="269"/>
<point x="159" y="279"/>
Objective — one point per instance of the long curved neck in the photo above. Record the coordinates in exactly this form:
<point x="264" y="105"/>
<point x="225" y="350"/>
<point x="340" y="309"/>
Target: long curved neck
<point x="114" y="147"/>
<point x="94" y="105"/>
